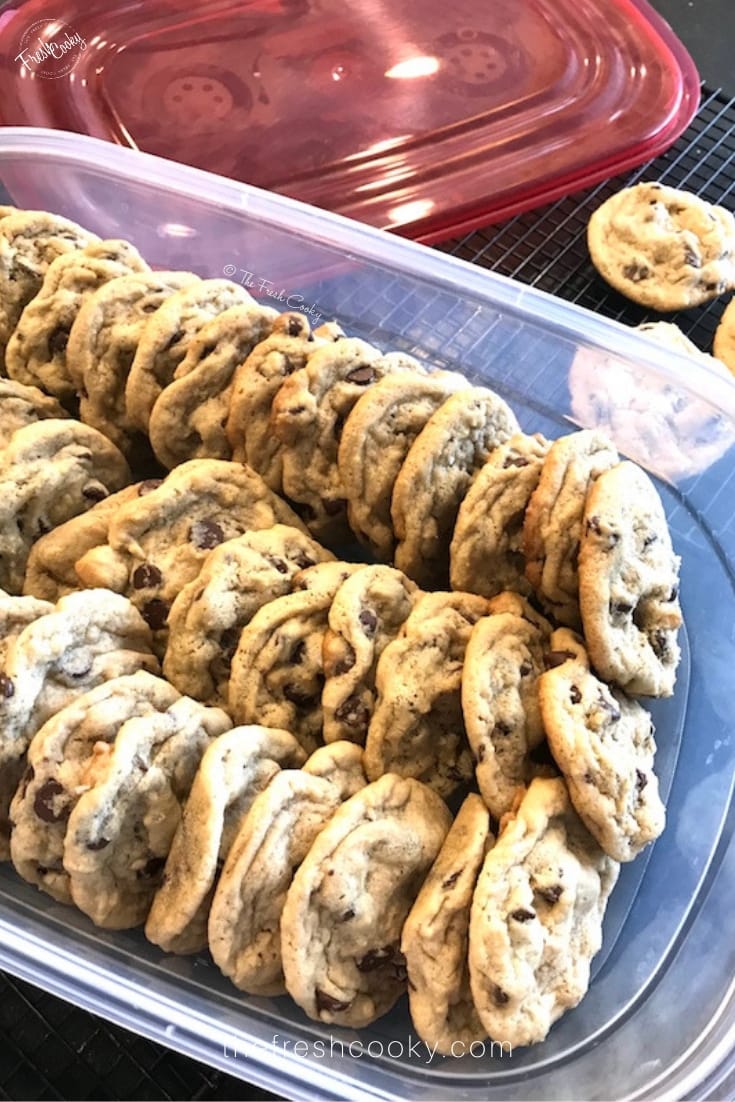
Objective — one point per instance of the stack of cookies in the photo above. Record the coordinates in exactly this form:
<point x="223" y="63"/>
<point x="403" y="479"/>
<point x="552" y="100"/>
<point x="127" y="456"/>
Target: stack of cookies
<point x="348" y="779"/>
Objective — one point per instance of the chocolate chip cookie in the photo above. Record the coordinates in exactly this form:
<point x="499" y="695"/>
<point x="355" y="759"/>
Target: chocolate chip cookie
<point x="486" y="553"/>
<point x="417" y="729"/>
<point x="62" y="763"/>
<point x="345" y="910"/>
<point x="724" y="345"/>
<point x="158" y="543"/>
<point x="435" y="937"/>
<point x="455" y="442"/>
<point x="603" y="742"/>
<point x="536" y="918"/>
<point x="121" y="828"/>
<point x="308" y="413"/>
<point x="50" y="572"/>
<point x="234" y="770"/>
<point x="552" y="527"/>
<point x="50" y="472"/>
<point x="15" y="614"/>
<point x="273" y="840"/>
<point x="24" y="405"/>
<point x="255" y="385"/>
<point x="188" y="419"/>
<point x="663" y="248"/>
<point x="375" y="441"/>
<point x="37" y="351"/>
<point x="166" y="337"/>
<point x="367" y="612"/>
<point x="30" y="240"/>
<point x="277" y="672"/>
<point x="102" y="346"/>
<point x="88" y="638"/>
<point x="209" y="613"/>
<point x="503" y="662"/>
<point x="629" y="584"/>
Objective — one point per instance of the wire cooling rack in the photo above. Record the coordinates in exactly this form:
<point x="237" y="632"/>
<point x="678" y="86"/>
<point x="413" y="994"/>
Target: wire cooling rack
<point x="52" y="1050"/>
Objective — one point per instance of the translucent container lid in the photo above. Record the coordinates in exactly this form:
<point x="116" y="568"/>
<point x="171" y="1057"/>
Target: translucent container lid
<point x="659" y="1018"/>
<point x="425" y="117"/>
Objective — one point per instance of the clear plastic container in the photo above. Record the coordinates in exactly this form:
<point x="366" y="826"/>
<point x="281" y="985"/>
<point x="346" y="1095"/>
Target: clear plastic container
<point x="659" y="1019"/>
<point x="424" y="117"/>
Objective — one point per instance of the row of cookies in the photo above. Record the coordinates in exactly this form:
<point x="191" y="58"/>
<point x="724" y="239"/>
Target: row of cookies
<point x="140" y="805"/>
<point x="667" y="249"/>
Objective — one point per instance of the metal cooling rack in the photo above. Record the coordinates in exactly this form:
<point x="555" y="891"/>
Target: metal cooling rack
<point x="52" y="1050"/>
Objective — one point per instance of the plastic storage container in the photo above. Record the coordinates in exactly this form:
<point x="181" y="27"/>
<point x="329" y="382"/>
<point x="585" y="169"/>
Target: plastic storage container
<point x="425" y="117"/>
<point x="659" y="1019"/>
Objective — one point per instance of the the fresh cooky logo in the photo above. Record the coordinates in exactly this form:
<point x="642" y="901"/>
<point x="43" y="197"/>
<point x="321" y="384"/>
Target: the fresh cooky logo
<point x="50" y="49"/>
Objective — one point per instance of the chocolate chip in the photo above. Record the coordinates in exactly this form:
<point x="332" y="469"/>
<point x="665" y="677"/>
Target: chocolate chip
<point x="368" y="622"/>
<point x="152" y="867"/>
<point x="146" y="576"/>
<point x="43" y="803"/>
<point x="346" y="662"/>
<point x="636" y="273"/>
<point x="660" y="644"/>
<point x="334" y="507"/>
<point x="674" y="593"/>
<point x="295" y="326"/>
<point x="619" y="608"/>
<point x="551" y="894"/>
<point x="609" y="706"/>
<point x="277" y="564"/>
<point x="526" y="668"/>
<point x="353" y="713"/>
<point x="347" y="915"/>
<point x="500" y="997"/>
<point x="302" y="560"/>
<point x="362" y="375"/>
<point x="148" y="485"/>
<point x="331" y="1005"/>
<point x="575" y="695"/>
<point x="390" y="957"/>
<point x="515" y="461"/>
<point x="7" y="688"/>
<point x="593" y="525"/>
<point x="58" y="341"/>
<point x="155" y="613"/>
<point x="206" y="534"/>
<point x="228" y="641"/>
<point x="691" y="257"/>
<point x="557" y="658"/>
<point x="94" y="493"/>
<point x="451" y="880"/>
<point x="521" y="915"/>
<point x="298" y="697"/>
<point x="650" y="538"/>
<point x="101" y="843"/>
<point x="641" y="780"/>
<point x="481" y="752"/>
<point x="501" y="729"/>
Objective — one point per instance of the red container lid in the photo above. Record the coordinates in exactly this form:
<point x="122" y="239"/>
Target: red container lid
<point x="426" y="117"/>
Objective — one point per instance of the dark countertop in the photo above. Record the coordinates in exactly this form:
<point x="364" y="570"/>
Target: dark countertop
<point x="77" y="1049"/>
